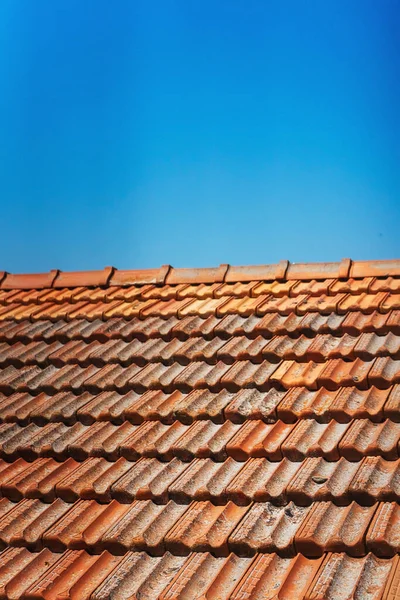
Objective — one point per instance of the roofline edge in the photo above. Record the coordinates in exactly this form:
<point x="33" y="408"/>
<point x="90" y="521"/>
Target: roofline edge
<point x="225" y="273"/>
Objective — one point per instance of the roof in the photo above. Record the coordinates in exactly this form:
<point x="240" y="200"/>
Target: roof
<point x="230" y="432"/>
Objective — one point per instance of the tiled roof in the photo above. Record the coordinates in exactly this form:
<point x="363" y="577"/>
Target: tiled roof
<point x="201" y="434"/>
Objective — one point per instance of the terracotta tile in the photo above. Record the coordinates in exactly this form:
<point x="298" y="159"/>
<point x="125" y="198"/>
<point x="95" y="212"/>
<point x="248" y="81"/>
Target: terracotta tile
<point x="58" y="581"/>
<point x="101" y="439"/>
<point x="274" y="324"/>
<point x="28" y="280"/>
<point x="312" y="288"/>
<point x="165" y="309"/>
<point x="314" y="322"/>
<point x="25" y="484"/>
<point x="34" y="570"/>
<point x="194" y="326"/>
<point x="204" y="479"/>
<point x="107" y="406"/>
<point x="245" y="307"/>
<point x="356" y="322"/>
<point x="203" y="308"/>
<point x="153" y="405"/>
<point x="329" y="346"/>
<point x="14" y="562"/>
<point x="19" y="407"/>
<point x="204" y="439"/>
<point x="385" y="284"/>
<point x="376" y="479"/>
<point x="16" y="520"/>
<point x="316" y="270"/>
<point x="371" y="345"/>
<point x="365" y="438"/>
<point x="331" y="528"/>
<point x="393" y="581"/>
<point x="390" y="302"/>
<point x="366" y="303"/>
<point x="111" y="377"/>
<point x="245" y="374"/>
<point x="86" y="278"/>
<point x="337" y="373"/>
<point x="268" y="528"/>
<point x="310" y="438"/>
<point x="13" y="439"/>
<point x="200" y="291"/>
<point x="270" y="574"/>
<point x="273" y="288"/>
<point x="352" y="286"/>
<point x="384" y="372"/>
<point x="252" y="404"/>
<point x="287" y="348"/>
<point x="392" y="406"/>
<point x="259" y="439"/>
<point x="250" y="273"/>
<point x="202" y="275"/>
<point x="233" y="325"/>
<point x="42" y="441"/>
<point x="393" y="321"/>
<point x="352" y="403"/>
<point x="301" y="403"/>
<point x="32" y="533"/>
<point x="322" y="304"/>
<point x="79" y="481"/>
<point x="127" y="309"/>
<point x="202" y="405"/>
<point x="148" y="479"/>
<point x="204" y="528"/>
<point x="262" y="481"/>
<point x="235" y="289"/>
<point x="137" y="574"/>
<point x="156" y="376"/>
<point x="291" y="374"/>
<point x="59" y="447"/>
<point x="342" y="576"/>
<point x="91" y="577"/>
<point x="46" y="486"/>
<point x="62" y="407"/>
<point x="196" y="349"/>
<point x="143" y="527"/>
<point x="205" y="576"/>
<point x="67" y="532"/>
<point x="383" y="534"/>
<point x="152" y="439"/>
<point x="201" y="375"/>
<point x="166" y="292"/>
<point x="318" y="479"/>
<point x="242" y="348"/>
<point x="282" y="305"/>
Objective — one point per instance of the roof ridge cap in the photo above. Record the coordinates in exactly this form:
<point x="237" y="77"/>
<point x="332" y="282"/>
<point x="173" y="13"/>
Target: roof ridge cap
<point x="284" y="270"/>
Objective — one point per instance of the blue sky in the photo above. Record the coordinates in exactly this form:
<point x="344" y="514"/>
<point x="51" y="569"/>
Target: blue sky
<point x="136" y="133"/>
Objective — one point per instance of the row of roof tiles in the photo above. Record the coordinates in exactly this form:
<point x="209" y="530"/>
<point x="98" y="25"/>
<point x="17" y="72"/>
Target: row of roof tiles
<point x="251" y="327"/>
<point x="314" y="480"/>
<point x="367" y="346"/>
<point x="253" y="289"/>
<point x="322" y="405"/>
<point x="203" y="439"/>
<point x="202" y="527"/>
<point x="77" y="575"/>
<point x="333" y="374"/>
<point x="340" y="304"/>
<point x="224" y="273"/>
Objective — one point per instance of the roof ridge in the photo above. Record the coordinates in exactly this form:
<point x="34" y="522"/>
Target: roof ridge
<point x="225" y="273"/>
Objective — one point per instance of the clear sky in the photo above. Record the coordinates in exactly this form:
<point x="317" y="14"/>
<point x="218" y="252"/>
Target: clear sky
<point x="138" y="133"/>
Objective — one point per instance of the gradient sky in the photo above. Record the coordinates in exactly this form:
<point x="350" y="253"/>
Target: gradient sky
<point x="138" y="133"/>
